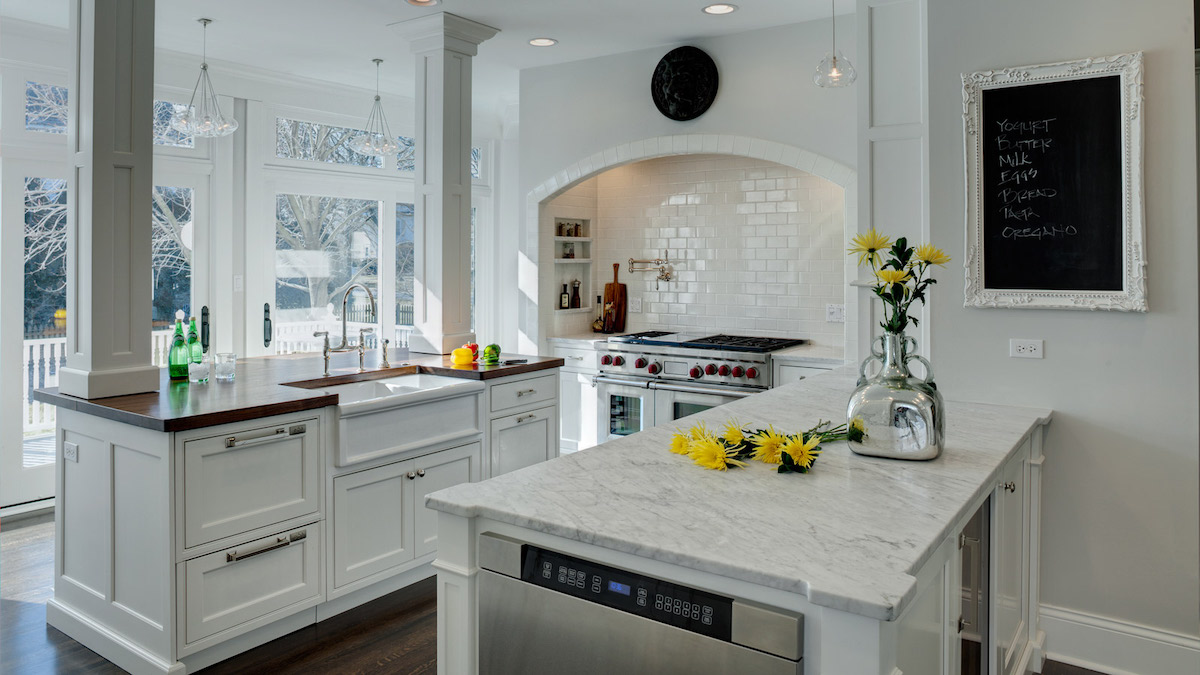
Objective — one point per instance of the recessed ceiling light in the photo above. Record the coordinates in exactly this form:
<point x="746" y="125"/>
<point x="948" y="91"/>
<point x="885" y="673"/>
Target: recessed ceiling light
<point x="718" y="9"/>
<point x="543" y="42"/>
<point x="424" y="3"/>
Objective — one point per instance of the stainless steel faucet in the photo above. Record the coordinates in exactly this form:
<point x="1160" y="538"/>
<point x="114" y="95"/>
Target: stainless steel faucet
<point x="344" y="346"/>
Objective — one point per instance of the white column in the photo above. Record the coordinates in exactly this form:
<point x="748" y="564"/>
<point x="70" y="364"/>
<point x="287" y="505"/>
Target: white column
<point x="108" y="210"/>
<point x="443" y="45"/>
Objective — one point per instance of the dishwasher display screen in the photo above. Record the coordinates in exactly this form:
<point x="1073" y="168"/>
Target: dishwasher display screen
<point x="663" y="601"/>
<point x="618" y="587"/>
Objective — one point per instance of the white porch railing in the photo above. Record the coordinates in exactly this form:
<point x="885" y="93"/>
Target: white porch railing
<point x="43" y="357"/>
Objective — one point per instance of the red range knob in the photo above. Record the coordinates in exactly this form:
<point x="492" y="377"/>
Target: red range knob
<point x="640" y="363"/>
<point x="752" y="373"/>
<point x="723" y="371"/>
<point x="695" y="373"/>
<point x="738" y="372"/>
<point x="618" y="360"/>
<point x="605" y="360"/>
<point x="710" y="369"/>
<point x="653" y="368"/>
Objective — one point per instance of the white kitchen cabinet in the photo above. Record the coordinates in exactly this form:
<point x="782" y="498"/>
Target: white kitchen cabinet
<point x="522" y="440"/>
<point x="1010" y="574"/>
<point x="380" y="523"/>
<point x="523" y="392"/>
<point x="787" y="373"/>
<point x="578" y="426"/>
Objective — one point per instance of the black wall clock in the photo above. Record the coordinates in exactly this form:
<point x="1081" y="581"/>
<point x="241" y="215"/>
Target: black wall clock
<point x="684" y="83"/>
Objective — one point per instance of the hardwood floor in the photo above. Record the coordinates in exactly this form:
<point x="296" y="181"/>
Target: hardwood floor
<point x="394" y="634"/>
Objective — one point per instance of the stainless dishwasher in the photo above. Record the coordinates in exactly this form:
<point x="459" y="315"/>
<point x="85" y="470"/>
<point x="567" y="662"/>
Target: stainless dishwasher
<point x="541" y="611"/>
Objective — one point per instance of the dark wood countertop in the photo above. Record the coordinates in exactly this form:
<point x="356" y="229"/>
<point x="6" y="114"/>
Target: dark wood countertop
<point x="271" y="385"/>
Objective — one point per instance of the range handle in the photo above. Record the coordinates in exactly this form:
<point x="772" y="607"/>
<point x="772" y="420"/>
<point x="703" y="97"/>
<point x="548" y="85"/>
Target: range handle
<point x="608" y="379"/>
<point x="714" y="391"/>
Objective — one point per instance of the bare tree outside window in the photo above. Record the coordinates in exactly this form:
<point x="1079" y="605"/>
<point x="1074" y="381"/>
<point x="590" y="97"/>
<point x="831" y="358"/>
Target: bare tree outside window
<point x="45" y="108"/>
<point x="323" y="245"/>
<point x="296" y="139"/>
<point x="172" y="241"/>
<point x="405" y="264"/>
<point x="164" y="133"/>
<point x="45" y="253"/>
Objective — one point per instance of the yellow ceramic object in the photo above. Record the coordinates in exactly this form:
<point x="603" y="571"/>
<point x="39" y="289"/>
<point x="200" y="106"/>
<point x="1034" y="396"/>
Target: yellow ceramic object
<point x="462" y="356"/>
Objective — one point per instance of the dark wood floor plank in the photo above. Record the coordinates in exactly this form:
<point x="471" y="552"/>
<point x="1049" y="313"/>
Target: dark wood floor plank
<point x="394" y="635"/>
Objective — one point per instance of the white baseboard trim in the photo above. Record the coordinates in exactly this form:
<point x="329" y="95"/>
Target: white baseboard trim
<point x="1116" y="647"/>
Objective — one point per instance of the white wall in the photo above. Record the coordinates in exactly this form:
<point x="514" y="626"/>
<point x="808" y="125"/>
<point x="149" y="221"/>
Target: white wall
<point x="1120" y="494"/>
<point x="571" y="111"/>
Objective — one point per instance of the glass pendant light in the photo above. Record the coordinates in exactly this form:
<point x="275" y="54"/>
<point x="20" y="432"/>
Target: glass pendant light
<point x="376" y="138"/>
<point x="203" y="118"/>
<point x="834" y="70"/>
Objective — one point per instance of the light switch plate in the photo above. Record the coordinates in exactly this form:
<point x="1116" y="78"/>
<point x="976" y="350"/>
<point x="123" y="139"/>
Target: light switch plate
<point x="71" y="451"/>
<point x="635" y="305"/>
<point x="835" y="313"/>
<point x="239" y="284"/>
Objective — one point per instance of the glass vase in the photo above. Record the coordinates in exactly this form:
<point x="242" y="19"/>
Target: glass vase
<point x="904" y="415"/>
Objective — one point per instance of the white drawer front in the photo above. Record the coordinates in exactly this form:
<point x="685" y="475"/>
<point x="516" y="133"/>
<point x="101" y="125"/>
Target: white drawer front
<point x="789" y="374"/>
<point x="231" y="587"/>
<point x="524" y="392"/>
<point x="523" y="440"/>
<point x="577" y="359"/>
<point x="254" y="478"/>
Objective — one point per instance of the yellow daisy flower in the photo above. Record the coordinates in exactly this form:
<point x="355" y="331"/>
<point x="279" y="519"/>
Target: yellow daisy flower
<point x="733" y="433"/>
<point x="680" y="442"/>
<point x="928" y="253"/>
<point x="803" y="452"/>
<point x="867" y="245"/>
<point x="857" y="430"/>
<point x="712" y="454"/>
<point x="889" y="277"/>
<point x="768" y="445"/>
<point x="699" y="431"/>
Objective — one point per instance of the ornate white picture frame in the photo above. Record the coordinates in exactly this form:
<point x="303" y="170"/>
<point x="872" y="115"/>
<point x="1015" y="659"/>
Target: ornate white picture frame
<point x="1130" y="298"/>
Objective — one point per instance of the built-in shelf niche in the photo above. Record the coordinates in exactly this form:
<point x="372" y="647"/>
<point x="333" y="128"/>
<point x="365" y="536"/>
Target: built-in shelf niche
<point x="573" y="260"/>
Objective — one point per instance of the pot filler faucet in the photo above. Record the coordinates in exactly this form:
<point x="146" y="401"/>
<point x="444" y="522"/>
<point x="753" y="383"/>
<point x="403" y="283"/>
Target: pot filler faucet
<point x="362" y="333"/>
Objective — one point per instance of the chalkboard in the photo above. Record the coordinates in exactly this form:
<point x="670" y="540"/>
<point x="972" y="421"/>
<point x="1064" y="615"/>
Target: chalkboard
<point x="1052" y="185"/>
<point x="1054" y="198"/>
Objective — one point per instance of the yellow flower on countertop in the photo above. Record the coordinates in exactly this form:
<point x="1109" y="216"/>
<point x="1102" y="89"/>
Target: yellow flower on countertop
<point x="699" y="431"/>
<point x="867" y="245"/>
<point x="680" y="443"/>
<point x="768" y="445"/>
<point x="889" y="277"/>
<point x="857" y="430"/>
<point x="711" y="453"/>
<point x="928" y="253"/>
<point x="803" y="452"/>
<point x="733" y="433"/>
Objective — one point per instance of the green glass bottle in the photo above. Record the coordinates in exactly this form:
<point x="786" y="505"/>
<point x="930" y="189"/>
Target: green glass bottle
<point x="180" y="356"/>
<point x="193" y="341"/>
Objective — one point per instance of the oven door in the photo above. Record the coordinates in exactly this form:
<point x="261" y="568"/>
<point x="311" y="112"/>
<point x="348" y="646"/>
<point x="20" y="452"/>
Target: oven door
<point x="676" y="401"/>
<point x="625" y="407"/>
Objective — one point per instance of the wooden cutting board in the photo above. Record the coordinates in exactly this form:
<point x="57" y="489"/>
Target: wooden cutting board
<point x="614" y="304"/>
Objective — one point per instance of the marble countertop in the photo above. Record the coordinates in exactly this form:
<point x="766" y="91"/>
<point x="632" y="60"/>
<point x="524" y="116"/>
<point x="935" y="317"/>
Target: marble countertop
<point x="850" y="535"/>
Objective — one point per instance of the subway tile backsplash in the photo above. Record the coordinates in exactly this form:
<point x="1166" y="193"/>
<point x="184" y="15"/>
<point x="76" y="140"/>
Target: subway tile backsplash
<point x="756" y="247"/>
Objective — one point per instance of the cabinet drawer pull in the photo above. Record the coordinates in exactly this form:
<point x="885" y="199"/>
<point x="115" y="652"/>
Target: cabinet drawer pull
<point x="420" y="473"/>
<point x="1009" y="486"/>
<point x="411" y="475"/>
<point x="526" y="418"/>
<point x="526" y="391"/>
<point x="295" y="430"/>
<point x="280" y="541"/>
<point x="575" y="358"/>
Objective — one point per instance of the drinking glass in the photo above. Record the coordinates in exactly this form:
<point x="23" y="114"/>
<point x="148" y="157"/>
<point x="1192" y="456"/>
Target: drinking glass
<point x="226" y="364"/>
<point x="199" y="373"/>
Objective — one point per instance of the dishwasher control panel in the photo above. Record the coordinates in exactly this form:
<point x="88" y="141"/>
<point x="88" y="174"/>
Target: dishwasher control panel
<point x="663" y="601"/>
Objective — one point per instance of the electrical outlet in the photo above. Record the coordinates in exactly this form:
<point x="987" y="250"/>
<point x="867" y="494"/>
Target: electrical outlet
<point x="835" y="313"/>
<point x="635" y="305"/>
<point x="1025" y="349"/>
<point x="71" y="451"/>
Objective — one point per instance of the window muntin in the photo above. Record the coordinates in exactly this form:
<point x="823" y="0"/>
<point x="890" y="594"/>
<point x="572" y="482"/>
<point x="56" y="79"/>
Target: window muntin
<point x="45" y="108"/>
<point x="311" y="141"/>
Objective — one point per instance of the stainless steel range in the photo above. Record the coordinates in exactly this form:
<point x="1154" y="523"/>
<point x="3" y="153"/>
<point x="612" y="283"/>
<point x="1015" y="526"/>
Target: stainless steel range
<point x="657" y="377"/>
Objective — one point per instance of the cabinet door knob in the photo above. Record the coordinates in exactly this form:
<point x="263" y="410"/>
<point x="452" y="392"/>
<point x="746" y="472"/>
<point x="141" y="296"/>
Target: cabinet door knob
<point x="421" y="473"/>
<point x="1009" y="486"/>
<point x="411" y="475"/>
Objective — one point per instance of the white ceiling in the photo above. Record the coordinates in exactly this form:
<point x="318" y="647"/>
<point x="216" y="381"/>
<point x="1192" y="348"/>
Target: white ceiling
<point x="335" y="40"/>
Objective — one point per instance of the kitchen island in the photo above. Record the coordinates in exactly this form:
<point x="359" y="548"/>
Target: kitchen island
<point x="865" y="550"/>
<point x="201" y="520"/>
